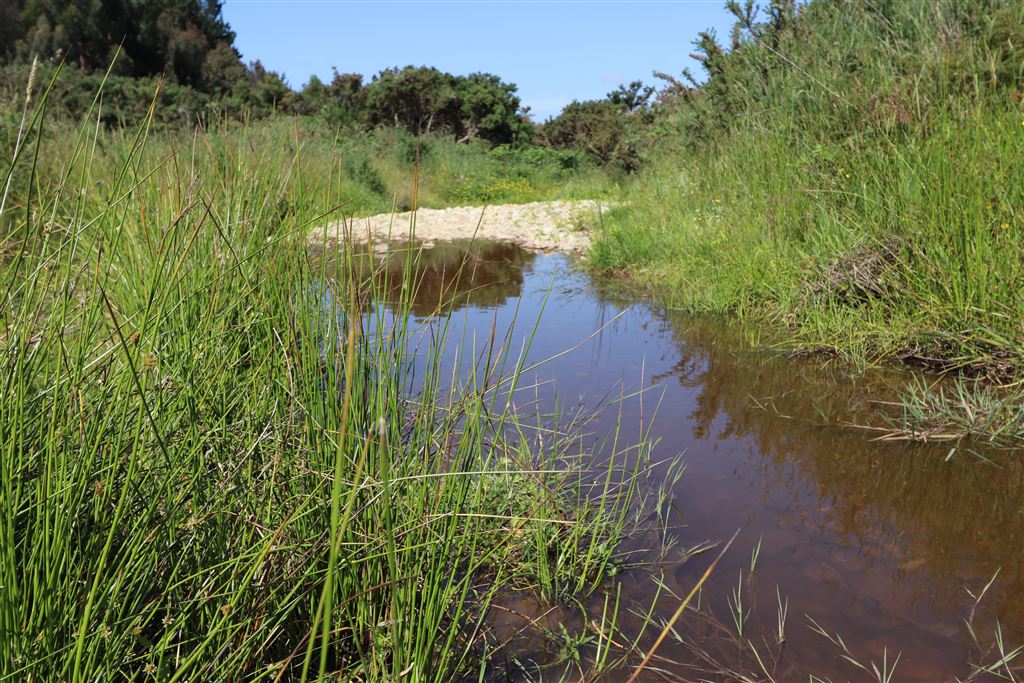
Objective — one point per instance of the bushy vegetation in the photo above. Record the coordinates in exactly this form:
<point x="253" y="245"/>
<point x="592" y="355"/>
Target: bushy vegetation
<point x="216" y="462"/>
<point x="188" y="44"/>
<point x="181" y="56"/>
<point x="610" y="131"/>
<point x="468" y="138"/>
<point x="418" y="100"/>
<point x="849" y="169"/>
<point x="187" y="39"/>
<point x="373" y="171"/>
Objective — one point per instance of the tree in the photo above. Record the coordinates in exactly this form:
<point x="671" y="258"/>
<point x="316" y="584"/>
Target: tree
<point x="11" y="30"/>
<point x="347" y="88"/>
<point x="171" y="37"/>
<point x="424" y="99"/>
<point x="174" y="37"/>
<point x="490" y="109"/>
<point x="633" y="97"/>
<point x="189" y="43"/>
<point x="267" y="88"/>
<point x="600" y="127"/>
<point x="420" y="99"/>
<point x="222" y="69"/>
<point x="347" y="99"/>
<point x="314" y="97"/>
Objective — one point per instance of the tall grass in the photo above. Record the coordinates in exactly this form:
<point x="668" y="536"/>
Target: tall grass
<point x="849" y="170"/>
<point x="215" y="463"/>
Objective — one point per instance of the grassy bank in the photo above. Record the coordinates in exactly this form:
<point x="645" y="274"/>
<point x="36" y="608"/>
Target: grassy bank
<point x="371" y="171"/>
<point x="850" y="171"/>
<point x="371" y="168"/>
<point x="380" y="165"/>
<point x="216" y="465"/>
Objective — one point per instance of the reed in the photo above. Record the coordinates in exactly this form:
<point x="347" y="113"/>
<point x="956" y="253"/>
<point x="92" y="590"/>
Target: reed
<point x="217" y="463"/>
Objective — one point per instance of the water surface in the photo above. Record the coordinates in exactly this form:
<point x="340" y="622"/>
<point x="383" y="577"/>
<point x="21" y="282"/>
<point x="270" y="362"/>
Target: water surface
<point x="877" y="542"/>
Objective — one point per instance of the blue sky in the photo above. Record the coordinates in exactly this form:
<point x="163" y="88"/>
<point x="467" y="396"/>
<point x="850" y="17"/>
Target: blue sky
<point x="554" y="50"/>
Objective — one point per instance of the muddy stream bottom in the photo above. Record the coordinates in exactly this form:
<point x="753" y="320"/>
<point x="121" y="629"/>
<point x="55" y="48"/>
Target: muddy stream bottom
<point x="879" y="545"/>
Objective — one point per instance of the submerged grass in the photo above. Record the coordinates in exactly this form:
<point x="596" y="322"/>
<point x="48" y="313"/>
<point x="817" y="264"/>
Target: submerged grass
<point x="959" y="410"/>
<point x="216" y="463"/>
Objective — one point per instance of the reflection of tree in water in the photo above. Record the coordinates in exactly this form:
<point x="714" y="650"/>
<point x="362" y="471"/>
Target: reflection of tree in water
<point x="957" y="521"/>
<point x="451" y="275"/>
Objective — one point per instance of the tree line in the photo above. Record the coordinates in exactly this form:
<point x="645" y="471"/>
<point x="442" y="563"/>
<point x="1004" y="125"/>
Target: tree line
<point x="187" y="48"/>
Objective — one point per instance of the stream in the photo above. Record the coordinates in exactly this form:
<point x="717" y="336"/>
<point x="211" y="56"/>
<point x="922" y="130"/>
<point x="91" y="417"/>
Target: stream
<point x="879" y="544"/>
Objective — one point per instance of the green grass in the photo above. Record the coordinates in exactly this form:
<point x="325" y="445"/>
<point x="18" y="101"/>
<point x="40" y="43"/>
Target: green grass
<point x="857" y="185"/>
<point x="959" y="411"/>
<point x="370" y="172"/>
<point x="215" y="464"/>
<point x="451" y="174"/>
<point x="896" y="247"/>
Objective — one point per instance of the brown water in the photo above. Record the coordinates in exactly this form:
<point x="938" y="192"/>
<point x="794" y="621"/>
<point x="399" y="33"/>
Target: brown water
<point x="877" y="542"/>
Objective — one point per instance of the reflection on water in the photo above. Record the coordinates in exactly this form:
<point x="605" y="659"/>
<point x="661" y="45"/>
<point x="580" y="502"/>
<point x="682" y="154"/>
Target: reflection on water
<point x="874" y="541"/>
<point x="450" y="275"/>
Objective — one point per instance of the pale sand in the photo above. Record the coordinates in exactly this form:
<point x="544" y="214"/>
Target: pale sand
<point x="540" y="226"/>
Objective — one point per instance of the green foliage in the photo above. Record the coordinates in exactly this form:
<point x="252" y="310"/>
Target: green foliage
<point x="223" y="70"/>
<point x="189" y="44"/>
<point x="158" y="36"/>
<point x="848" y="169"/>
<point x="10" y="29"/>
<point x="633" y="97"/>
<point x="489" y="109"/>
<point x="417" y="99"/>
<point x="508" y="174"/>
<point x="612" y="131"/>
<point x="214" y="461"/>
<point x="382" y="162"/>
<point x="253" y="93"/>
<point x="602" y="128"/>
<point x="424" y="100"/>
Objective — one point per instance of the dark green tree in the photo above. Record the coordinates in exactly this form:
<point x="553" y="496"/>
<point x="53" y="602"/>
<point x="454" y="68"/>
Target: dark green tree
<point x="347" y="99"/>
<point x="268" y="88"/>
<point x="223" y="70"/>
<point x="420" y="99"/>
<point x="599" y="127"/>
<point x="10" y="29"/>
<point x="424" y="99"/>
<point x="314" y="98"/>
<point x="170" y="37"/>
<point x="633" y="97"/>
<point x="489" y="109"/>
